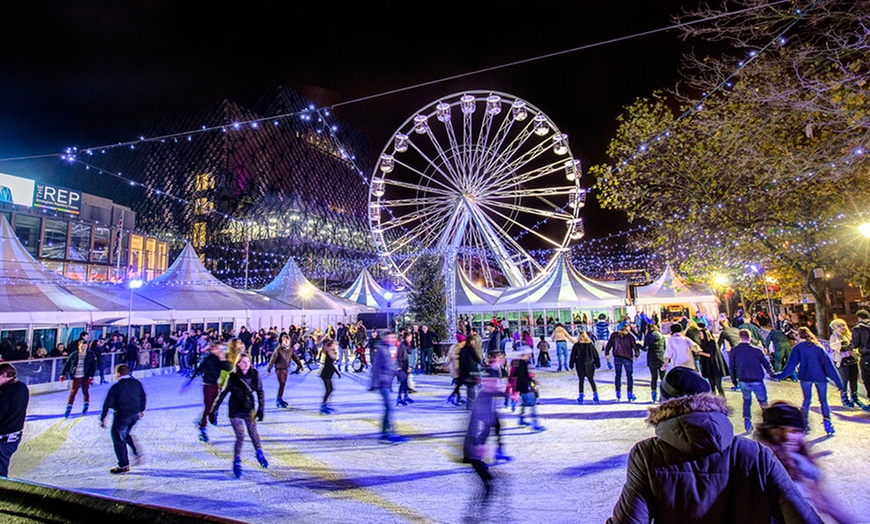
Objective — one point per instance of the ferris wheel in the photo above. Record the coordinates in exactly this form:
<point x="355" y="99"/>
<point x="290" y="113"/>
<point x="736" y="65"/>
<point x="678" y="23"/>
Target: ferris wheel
<point x="476" y="175"/>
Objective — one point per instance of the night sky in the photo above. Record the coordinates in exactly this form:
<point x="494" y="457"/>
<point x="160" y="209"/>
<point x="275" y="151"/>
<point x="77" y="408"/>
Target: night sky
<point x="89" y="73"/>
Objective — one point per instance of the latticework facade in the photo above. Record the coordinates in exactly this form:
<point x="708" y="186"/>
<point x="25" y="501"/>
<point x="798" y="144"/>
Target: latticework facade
<point x="292" y="186"/>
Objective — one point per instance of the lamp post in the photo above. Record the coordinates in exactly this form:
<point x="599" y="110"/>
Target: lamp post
<point x="764" y="282"/>
<point x="133" y="284"/>
<point x="305" y="292"/>
<point x="388" y="296"/>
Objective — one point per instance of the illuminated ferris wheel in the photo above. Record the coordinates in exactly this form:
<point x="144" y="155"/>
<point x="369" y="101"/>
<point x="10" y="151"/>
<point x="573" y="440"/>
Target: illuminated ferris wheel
<point x="475" y="174"/>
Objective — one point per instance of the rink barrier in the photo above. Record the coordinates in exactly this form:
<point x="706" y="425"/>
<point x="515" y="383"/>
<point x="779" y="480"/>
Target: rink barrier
<point x="22" y="501"/>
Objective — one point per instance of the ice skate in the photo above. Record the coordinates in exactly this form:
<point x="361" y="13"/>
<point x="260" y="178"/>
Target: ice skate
<point x="829" y="428"/>
<point x="85" y="407"/>
<point x="654" y="396"/>
<point x="501" y="455"/>
<point x="747" y="425"/>
<point x="580" y="398"/>
<point x="237" y="467"/>
<point x="631" y="397"/>
<point x="262" y="459"/>
<point x="595" y="398"/>
<point x="67" y="412"/>
<point x="618" y="395"/>
<point x="203" y="436"/>
<point x="844" y="397"/>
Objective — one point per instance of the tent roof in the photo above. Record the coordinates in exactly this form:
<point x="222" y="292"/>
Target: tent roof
<point x="287" y="287"/>
<point x="469" y="294"/>
<point x="365" y="290"/>
<point x="669" y="288"/>
<point x="563" y="287"/>
<point x="187" y="285"/>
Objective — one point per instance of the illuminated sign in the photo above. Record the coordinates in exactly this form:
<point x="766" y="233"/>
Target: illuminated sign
<point x="57" y="198"/>
<point x="16" y="190"/>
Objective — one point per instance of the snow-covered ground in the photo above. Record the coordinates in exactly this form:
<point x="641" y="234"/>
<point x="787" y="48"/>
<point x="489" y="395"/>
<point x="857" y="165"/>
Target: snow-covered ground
<point x="332" y="468"/>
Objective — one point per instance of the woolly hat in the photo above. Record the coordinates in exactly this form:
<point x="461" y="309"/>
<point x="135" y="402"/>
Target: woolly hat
<point x="460" y="337"/>
<point x="682" y="382"/>
<point x="782" y="414"/>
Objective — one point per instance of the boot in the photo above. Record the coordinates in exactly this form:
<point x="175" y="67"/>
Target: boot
<point x="262" y="459"/>
<point x="829" y="428"/>
<point x="324" y="410"/>
<point x="655" y="396"/>
<point x="452" y="400"/>
<point x="67" y="411"/>
<point x="237" y="467"/>
<point x="408" y="400"/>
<point x="618" y="395"/>
<point x="844" y="397"/>
<point x="400" y="402"/>
<point x="580" y="398"/>
<point x="631" y="397"/>
<point x="501" y="455"/>
<point x="523" y="422"/>
<point x="747" y="425"/>
<point x="203" y="436"/>
<point x="595" y="398"/>
<point x="85" y="407"/>
<point x="513" y="406"/>
<point x="857" y="402"/>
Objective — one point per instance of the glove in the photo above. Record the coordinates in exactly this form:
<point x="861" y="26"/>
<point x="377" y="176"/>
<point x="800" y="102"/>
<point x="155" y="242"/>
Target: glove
<point x="103" y="424"/>
<point x="62" y="378"/>
<point x="260" y="416"/>
<point x="212" y="418"/>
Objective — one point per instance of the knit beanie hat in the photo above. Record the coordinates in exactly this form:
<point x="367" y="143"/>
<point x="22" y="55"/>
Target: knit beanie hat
<point x="782" y="414"/>
<point x="460" y="337"/>
<point x="682" y="382"/>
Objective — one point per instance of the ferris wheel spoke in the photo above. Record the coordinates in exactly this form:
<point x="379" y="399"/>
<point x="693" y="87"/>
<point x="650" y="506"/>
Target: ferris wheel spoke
<point x="447" y="191"/>
<point x="413" y="216"/>
<point x="478" y="156"/>
<point x="497" y="143"/>
<point x="447" y="176"/>
<point x="401" y="202"/>
<point x="521" y="225"/>
<point x="494" y="236"/>
<point x="513" y="178"/>
<point x="454" y="144"/>
<point x="455" y="171"/>
<point x="530" y="193"/>
<point x="515" y="145"/>
<point x="533" y="211"/>
<point x="509" y="169"/>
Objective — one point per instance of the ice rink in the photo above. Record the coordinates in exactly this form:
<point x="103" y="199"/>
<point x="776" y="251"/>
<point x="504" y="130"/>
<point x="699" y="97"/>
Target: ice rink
<point x="333" y="469"/>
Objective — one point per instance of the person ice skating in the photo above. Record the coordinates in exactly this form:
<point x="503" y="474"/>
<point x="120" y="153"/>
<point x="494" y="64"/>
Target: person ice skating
<point x="327" y="370"/>
<point x="403" y="369"/>
<point x="211" y="367"/>
<point x="383" y="373"/>
<point x="815" y="368"/>
<point x="602" y="335"/>
<point x="126" y="398"/>
<point x="654" y="344"/>
<point x="585" y="357"/>
<point x="679" y="349"/>
<point x="526" y="387"/>
<point x="713" y="366"/>
<point x="244" y="382"/>
<point x="748" y="365"/>
<point x="560" y="338"/>
<point x="782" y="430"/>
<point x="625" y="350"/>
<point x="846" y="358"/>
<point x="81" y="367"/>
<point x="861" y="343"/>
<point x="280" y="360"/>
<point x="428" y="338"/>
<point x="482" y="422"/>
<point x="543" y="353"/>
<point x="469" y="366"/>
<point x="695" y="470"/>
<point x="14" y="397"/>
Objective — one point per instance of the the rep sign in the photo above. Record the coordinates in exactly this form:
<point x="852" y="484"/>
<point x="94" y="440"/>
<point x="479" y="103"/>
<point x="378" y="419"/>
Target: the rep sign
<point x="57" y="198"/>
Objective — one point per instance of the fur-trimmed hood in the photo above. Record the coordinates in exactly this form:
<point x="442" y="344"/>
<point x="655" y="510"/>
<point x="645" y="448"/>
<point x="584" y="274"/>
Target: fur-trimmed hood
<point x="695" y="425"/>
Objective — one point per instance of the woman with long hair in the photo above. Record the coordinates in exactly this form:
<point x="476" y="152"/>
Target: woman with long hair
<point x="243" y="383"/>
<point x="585" y="357"/>
<point x="846" y="360"/>
<point x="815" y="369"/>
<point x="327" y="370"/>
<point x="713" y="366"/>
<point x="782" y="430"/>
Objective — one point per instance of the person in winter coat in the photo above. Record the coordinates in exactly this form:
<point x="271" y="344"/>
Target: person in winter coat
<point x="383" y="373"/>
<point x="815" y="369"/>
<point x="778" y="345"/>
<point x="326" y="373"/>
<point x="526" y="387"/>
<point x="281" y="358"/>
<point x="244" y="382"/>
<point x="844" y="355"/>
<point x="861" y="343"/>
<point x="127" y="398"/>
<point x="403" y="369"/>
<point x="625" y="350"/>
<point x="585" y="357"/>
<point x="654" y="344"/>
<point x="211" y="367"/>
<point x="81" y="367"/>
<point x="602" y="335"/>
<point x="469" y="371"/>
<point x="748" y="365"/>
<point x="560" y="338"/>
<point x="482" y="422"/>
<point x="696" y="471"/>
<point x="131" y="353"/>
<point x="493" y="343"/>
<point x="729" y="336"/>
<point x="713" y="366"/>
<point x="782" y="430"/>
<point x="14" y="397"/>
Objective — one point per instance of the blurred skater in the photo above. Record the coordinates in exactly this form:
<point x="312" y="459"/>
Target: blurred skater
<point x="127" y="398"/>
<point x="328" y="369"/>
<point x="211" y="367"/>
<point x="526" y="387"/>
<point x="14" y="397"/>
<point x="383" y="373"/>
<point x="585" y="357"/>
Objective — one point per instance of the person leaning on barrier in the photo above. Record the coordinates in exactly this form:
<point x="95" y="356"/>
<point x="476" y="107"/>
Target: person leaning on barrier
<point x="696" y="470"/>
<point x="14" y="397"/>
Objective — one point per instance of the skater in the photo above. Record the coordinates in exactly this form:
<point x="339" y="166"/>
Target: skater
<point x="243" y="383"/>
<point x="861" y="343"/>
<point x="625" y="350"/>
<point x="81" y="367"/>
<point x="383" y="373"/>
<point x="602" y="335"/>
<point x="748" y="364"/>
<point x="680" y="350"/>
<point x="527" y="388"/>
<point x="782" y="431"/>
<point x="560" y="338"/>
<point x="14" y="397"/>
<point x="815" y="370"/>
<point x="127" y="398"/>
<point x="469" y="370"/>
<point x="846" y="359"/>
<point x="428" y="338"/>
<point x="326" y="371"/>
<point x="713" y="366"/>
<point x="483" y="420"/>
<point x="98" y="347"/>
<point x="654" y="344"/>
<point x="131" y="353"/>
<point x="211" y="367"/>
<point x="543" y="353"/>
<point x="342" y="335"/>
<point x="585" y="357"/>
<point x="280" y="360"/>
<point x="403" y="369"/>
<point x="695" y="470"/>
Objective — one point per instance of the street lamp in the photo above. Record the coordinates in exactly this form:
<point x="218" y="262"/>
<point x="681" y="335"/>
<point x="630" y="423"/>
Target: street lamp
<point x="864" y="229"/>
<point x="764" y="281"/>
<point x="388" y="296"/>
<point x="133" y="284"/>
<point x="305" y="292"/>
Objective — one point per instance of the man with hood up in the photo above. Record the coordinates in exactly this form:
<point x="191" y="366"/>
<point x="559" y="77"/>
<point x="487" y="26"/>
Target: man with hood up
<point x="696" y="471"/>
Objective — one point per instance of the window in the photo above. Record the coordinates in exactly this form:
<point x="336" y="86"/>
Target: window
<point x="55" y="239"/>
<point x="198" y="234"/>
<point x="161" y="257"/>
<point x="137" y="256"/>
<point x="100" y="252"/>
<point x="150" y="256"/>
<point x="98" y="273"/>
<point x="27" y="231"/>
<point x="203" y="182"/>
<point x="80" y="242"/>
<point x="202" y="206"/>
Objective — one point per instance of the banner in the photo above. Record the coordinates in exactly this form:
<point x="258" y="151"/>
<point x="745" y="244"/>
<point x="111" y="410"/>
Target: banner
<point x="57" y="199"/>
<point x="16" y="190"/>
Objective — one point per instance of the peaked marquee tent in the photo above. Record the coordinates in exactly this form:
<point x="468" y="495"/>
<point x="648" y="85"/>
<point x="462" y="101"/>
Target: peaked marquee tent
<point x="365" y="290"/>
<point x="670" y="289"/>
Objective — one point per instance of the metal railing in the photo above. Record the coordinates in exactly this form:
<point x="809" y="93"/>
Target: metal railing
<point x="38" y="371"/>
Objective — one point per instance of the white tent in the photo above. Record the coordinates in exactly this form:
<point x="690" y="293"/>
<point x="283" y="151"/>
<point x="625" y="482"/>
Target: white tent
<point x="365" y="290"/>
<point x="670" y="289"/>
<point x="472" y="298"/>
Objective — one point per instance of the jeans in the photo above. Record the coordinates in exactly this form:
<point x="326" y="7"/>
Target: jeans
<point x="343" y="357"/>
<point x="586" y="371"/>
<point x="6" y="451"/>
<point x="562" y="353"/>
<point x="121" y="438"/>
<point x="327" y="387"/>
<point x="282" y="382"/>
<point x="529" y="400"/>
<point x="619" y="363"/>
<point x="822" y="390"/>
<point x="386" y="424"/>
<point x="209" y="393"/>
<point x="239" y="424"/>
<point x="426" y="365"/>
<point x="412" y="359"/>
<point x="748" y="388"/>
<point x="865" y="374"/>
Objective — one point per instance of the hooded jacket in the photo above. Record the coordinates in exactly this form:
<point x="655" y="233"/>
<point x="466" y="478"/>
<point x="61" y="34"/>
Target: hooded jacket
<point x="861" y="338"/>
<point x="696" y="470"/>
<point x="655" y="344"/>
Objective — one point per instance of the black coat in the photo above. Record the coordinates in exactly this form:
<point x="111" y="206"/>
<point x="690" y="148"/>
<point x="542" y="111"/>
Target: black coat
<point x="585" y="357"/>
<point x="469" y="361"/>
<point x="654" y="344"/>
<point x="72" y="361"/>
<point x="241" y="389"/>
<point x="714" y="366"/>
<point x="126" y="397"/>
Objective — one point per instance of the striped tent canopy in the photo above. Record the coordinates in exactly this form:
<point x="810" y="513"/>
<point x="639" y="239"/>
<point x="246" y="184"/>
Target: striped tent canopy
<point x="669" y="288"/>
<point x="563" y="287"/>
<point x="365" y="290"/>
<point x="188" y="286"/>
<point x="289" y="286"/>
<point x="470" y="296"/>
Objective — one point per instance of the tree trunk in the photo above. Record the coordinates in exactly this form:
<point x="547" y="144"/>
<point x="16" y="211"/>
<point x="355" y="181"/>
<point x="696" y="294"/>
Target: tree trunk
<point x="817" y="289"/>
